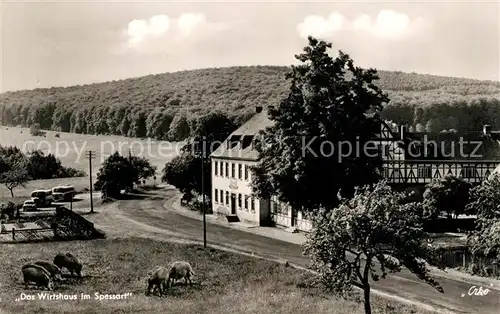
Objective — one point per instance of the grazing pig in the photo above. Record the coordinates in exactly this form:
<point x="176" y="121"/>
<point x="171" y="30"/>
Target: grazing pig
<point x="55" y="272"/>
<point x="38" y="275"/>
<point x="69" y="262"/>
<point x="158" y="280"/>
<point x="179" y="270"/>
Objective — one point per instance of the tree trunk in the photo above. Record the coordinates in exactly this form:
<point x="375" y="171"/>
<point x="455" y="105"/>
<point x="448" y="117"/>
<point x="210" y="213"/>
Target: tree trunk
<point x="366" y="284"/>
<point x="366" y="290"/>
<point x="11" y="192"/>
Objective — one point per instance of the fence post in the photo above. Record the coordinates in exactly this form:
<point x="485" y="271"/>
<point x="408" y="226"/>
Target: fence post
<point x="13" y="234"/>
<point x="465" y="259"/>
<point x="54" y="227"/>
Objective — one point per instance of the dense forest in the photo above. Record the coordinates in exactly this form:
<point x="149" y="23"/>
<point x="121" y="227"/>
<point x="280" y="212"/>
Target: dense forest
<point x="167" y="106"/>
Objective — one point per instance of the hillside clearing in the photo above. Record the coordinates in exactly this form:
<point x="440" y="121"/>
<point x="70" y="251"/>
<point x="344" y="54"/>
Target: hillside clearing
<point x="224" y="282"/>
<point x="70" y="148"/>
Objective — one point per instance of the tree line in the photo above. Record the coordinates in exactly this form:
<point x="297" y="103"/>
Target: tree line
<point x="17" y="168"/>
<point x="167" y="106"/>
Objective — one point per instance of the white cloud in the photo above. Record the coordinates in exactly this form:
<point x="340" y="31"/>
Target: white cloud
<point x="319" y="26"/>
<point x="140" y="32"/>
<point x="387" y="24"/>
<point x="189" y="22"/>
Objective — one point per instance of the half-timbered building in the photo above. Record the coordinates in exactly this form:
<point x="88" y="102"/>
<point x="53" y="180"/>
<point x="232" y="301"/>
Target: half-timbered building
<point x="410" y="160"/>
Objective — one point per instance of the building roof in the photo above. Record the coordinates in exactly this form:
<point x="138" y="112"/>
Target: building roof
<point x="451" y="146"/>
<point x="440" y="146"/>
<point x="239" y="144"/>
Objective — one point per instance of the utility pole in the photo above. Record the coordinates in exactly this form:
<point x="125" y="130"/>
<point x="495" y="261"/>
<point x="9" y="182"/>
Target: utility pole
<point x="90" y="155"/>
<point x="203" y="192"/>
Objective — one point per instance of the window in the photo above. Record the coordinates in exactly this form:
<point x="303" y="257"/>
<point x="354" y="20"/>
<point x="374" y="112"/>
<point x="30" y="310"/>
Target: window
<point x="239" y="200"/>
<point x="221" y="168"/>
<point x="216" y="168"/>
<point x="468" y="172"/>
<point x="423" y="172"/>
<point x="227" y="198"/>
<point x="253" y="204"/>
<point x="222" y="197"/>
<point x="246" y="202"/>
<point x="227" y="169"/>
<point x="233" y="170"/>
<point x="216" y="195"/>
<point x="240" y="169"/>
<point x="246" y="172"/>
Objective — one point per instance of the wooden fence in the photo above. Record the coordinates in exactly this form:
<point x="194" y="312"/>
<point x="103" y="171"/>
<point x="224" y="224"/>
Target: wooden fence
<point x="460" y="257"/>
<point x="65" y="225"/>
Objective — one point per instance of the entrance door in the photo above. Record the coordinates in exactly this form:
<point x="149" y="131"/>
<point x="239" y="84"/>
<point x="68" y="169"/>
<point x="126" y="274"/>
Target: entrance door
<point x="233" y="204"/>
<point x="294" y="218"/>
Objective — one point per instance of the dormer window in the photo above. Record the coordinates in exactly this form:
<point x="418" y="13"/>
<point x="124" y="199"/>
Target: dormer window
<point x="246" y="141"/>
<point x="233" y="141"/>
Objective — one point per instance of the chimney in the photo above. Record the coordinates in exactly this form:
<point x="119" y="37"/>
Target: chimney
<point x="402" y="132"/>
<point x="487" y="129"/>
<point x="258" y="109"/>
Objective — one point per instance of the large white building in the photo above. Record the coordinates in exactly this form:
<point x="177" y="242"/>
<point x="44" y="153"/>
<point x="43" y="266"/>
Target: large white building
<point x="406" y="164"/>
<point x="231" y="175"/>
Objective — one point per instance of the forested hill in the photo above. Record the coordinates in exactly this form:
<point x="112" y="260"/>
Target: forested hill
<point x="163" y="106"/>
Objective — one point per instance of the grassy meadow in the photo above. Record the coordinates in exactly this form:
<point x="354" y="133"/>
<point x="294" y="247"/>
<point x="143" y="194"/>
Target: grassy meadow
<point x="71" y="148"/>
<point x="224" y="283"/>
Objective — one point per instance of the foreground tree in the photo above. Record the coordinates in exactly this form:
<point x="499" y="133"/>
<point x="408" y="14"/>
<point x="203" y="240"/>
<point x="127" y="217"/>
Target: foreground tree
<point x="366" y="237"/>
<point x="16" y="176"/>
<point x="330" y="103"/>
<point x="485" y="240"/>
<point x="144" y="167"/>
<point x="449" y="194"/>
<point x="185" y="171"/>
<point x="119" y="173"/>
<point x="484" y="200"/>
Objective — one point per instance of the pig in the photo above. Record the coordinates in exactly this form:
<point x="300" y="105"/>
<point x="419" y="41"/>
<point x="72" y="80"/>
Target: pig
<point x="69" y="262"/>
<point x="38" y="275"/>
<point x="55" y="272"/>
<point x="179" y="270"/>
<point x="157" y="280"/>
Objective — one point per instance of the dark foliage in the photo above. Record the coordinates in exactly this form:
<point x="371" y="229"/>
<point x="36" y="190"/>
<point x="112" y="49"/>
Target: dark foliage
<point x="185" y="171"/>
<point x="147" y="106"/>
<point x="449" y="194"/>
<point x="329" y="102"/>
<point x="120" y="173"/>
<point x="37" y="165"/>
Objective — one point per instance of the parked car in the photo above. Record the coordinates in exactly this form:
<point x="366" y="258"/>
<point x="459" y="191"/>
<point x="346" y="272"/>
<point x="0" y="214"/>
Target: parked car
<point x="42" y="197"/>
<point x="29" y="206"/>
<point x="64" y="193"/>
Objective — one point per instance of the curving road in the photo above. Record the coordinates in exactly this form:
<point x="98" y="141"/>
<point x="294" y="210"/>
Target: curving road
<point x="148" y="218"/>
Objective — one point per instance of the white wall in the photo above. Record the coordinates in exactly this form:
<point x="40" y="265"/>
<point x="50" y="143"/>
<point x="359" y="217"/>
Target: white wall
<point x="237" y="185"/>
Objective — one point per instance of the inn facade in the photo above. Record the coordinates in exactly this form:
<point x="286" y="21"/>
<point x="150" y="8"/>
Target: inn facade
<point x="410" y="160"/>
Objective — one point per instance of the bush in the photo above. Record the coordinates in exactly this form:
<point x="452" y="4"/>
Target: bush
<point x="35" y="130"/>
<point x="8" y="210"/>
<point x="197" y="206"/>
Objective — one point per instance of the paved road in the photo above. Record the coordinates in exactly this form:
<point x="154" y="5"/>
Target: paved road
<point x="404" y="284"/>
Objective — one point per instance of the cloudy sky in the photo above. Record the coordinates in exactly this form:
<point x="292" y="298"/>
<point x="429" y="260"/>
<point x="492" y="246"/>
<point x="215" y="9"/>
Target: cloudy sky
<point x="62" y="43"/>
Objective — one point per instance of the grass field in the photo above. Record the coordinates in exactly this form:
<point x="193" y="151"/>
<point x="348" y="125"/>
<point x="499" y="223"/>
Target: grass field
<point x="70" y="148"/>
<point x="224" y="282"/>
